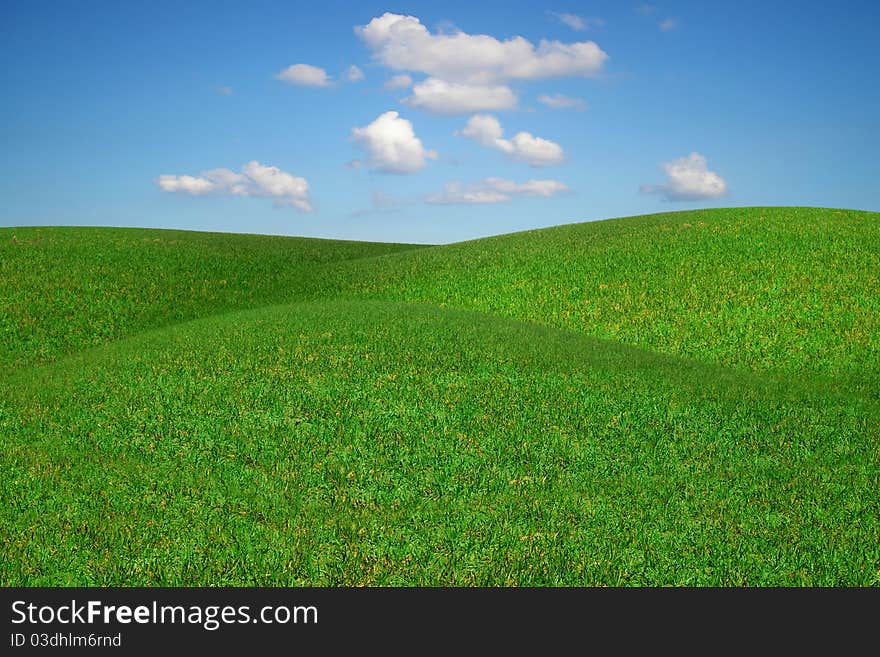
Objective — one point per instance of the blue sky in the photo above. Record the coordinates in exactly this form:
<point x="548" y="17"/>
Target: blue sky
<point x="201" y="115"/>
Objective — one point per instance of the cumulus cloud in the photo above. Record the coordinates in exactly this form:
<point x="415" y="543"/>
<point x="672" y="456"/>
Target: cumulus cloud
<point x="254" y="179"/>
<point x="668" y="24"/>
<point x="579" y="23"/>
<point x="494" y="190"/>
<point x="305" y="75"/>
<point x="392" y="145"/>
<point x="486" y="130"/>
<point x="687" y="179"/>
<point x="442" y="97"/>
<point x="402" y="81"/>
<point x="403" y="43"/>
<point x="558" y="101"/>
<point x="354" y="74"/>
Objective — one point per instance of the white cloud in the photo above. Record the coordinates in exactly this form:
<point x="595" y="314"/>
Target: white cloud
<point x="255" y="179"/>
<point x="224" y="91"/>
<point x="558" y="101"/>
<point x="278" y="184"/>
<point x="668" y="24"/>
<point x="403" y="43"/>
<point x="304" y="74"/>
<point x="354" y="74"/>
<point x="579" y="23"/>
<point x="574" y="21"/>
<point x="536" y="151"/>
<point x="486" y="130"/>
<point x="687" y="179"/>
<point x="392" y="145"/>
<point x="441" y="97"/>
<point x="192" y="185"/>
<point x="402" y="81"/>
<point x="494" y="190"/>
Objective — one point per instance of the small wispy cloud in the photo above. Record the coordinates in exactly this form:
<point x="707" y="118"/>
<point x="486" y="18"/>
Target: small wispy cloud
<point x="402" y="81"/>
<point x="578" y="23"/>
<point x="494" y="190"/>
<point x="668" y="24"/>
<point x="382" y="202"/>
<point x="559" y="101"/>
<point x="354" y="74"/>
<point x="224" y="91"/>
<point x="304" y="75"/>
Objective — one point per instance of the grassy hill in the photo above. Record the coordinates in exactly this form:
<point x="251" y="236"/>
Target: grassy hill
<point x="792" y="289"/>
<point x="64" y="289"/>
<point x="686" y="398"/>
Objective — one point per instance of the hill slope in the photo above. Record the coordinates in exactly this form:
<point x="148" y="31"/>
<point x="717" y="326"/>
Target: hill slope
<point x="790" y="289"/>
<point x="371" y="443"/>
<point x="64" y="289"/>
<point x="686" y="398"/>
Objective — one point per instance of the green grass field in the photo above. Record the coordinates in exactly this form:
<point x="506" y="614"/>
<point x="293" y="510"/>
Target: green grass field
<point x="687" y="398"/>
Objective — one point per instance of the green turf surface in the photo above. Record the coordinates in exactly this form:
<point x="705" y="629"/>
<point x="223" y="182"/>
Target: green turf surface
<point x="63" y="289"/>
<point x="792" y="289"/>
<point x="446" y="415"/>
